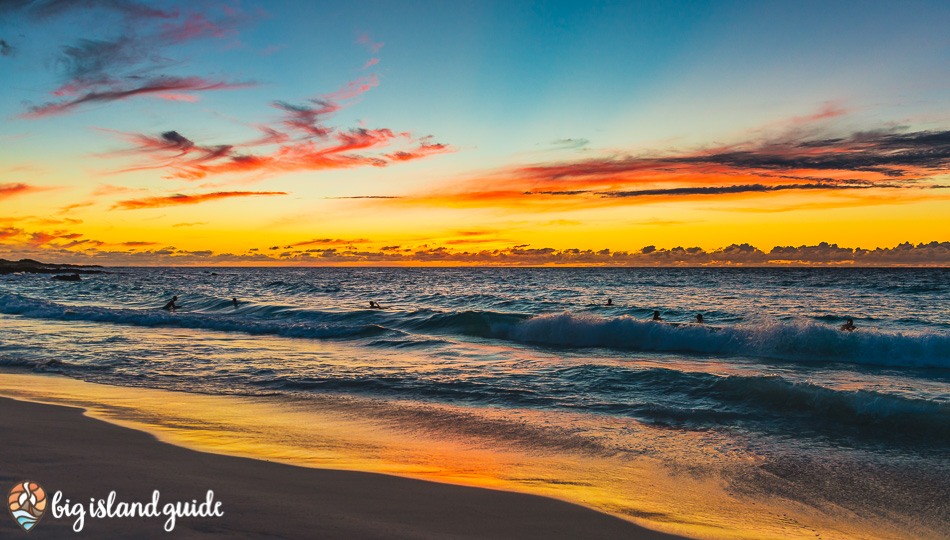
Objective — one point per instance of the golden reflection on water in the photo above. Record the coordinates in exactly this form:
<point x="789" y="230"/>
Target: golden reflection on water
<point x="674" y="481"/>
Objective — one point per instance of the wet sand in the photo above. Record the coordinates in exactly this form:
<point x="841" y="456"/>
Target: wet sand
<point x="85" y="458"/>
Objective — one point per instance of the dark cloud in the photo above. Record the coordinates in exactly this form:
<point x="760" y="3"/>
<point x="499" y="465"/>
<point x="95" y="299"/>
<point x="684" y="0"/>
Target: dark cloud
<point x="180" y="199"/>
<point x="890" y="153"/>
<point x="90" y="62"/>
<point x="40" y="9"/>
<point x="124" y="66"/>
<point x="152" y="86"/>
<point x="6" y="49"/>
<point x="177" y="140"/>
<point x="721" y="190"/>
<point x="366" y="197"/>
<point x="328" y="242"/>
<point x="570" y="143"/>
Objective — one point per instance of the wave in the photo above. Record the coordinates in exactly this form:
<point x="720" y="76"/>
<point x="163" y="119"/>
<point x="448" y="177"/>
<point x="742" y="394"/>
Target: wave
<point x="798" y="340"/>
<point x="12" y="304"/>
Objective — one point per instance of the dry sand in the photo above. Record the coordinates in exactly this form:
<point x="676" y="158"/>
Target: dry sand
<point x="84" y="457"/>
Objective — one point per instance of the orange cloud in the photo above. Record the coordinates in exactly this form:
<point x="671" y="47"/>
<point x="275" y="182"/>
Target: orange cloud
<point x="180" y="199"/>
<point x="864" y="163"/>
<point x="303" y="142"/>
<point x="9" y="190"/>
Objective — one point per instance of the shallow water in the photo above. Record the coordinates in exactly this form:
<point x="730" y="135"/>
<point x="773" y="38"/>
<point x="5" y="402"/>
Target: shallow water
<point x="767" y="402"/>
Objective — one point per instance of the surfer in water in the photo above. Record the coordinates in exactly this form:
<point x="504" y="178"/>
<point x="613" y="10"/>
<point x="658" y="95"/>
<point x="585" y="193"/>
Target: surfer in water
<point x="171" y="305"/>
<point x="235" y="302"/>
<point x="848" y="326"/>
<point x="374" y="305"/>
<point x="656" y="316"/>
<point x="699" y="318"/>
<point x="610" y="302"/>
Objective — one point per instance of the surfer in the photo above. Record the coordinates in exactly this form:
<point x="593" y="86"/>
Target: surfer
<point x="235" y="302"/>
<point x="848" y="326"/>
<point x="374" y="305"/>
<point x="656" y="316"/>
<point x="699" y="318"/>
<point x="171" y="306"/>
<point x="610" y="302"/>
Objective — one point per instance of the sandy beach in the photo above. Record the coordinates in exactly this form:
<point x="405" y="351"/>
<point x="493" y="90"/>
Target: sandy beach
<point x="87" y="458"/>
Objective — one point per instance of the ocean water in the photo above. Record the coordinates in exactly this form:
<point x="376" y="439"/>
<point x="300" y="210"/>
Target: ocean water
<point x="835" y="433"/>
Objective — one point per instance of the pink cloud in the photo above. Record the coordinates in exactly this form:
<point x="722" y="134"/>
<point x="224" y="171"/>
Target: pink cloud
<point x="364" y="39"/>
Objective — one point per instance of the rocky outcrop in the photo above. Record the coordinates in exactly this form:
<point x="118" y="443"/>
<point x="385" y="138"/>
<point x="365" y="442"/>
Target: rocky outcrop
<point x="36" y="267"/>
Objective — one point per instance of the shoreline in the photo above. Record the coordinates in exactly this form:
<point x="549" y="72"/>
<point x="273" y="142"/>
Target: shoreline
<point x="64" y="449"/>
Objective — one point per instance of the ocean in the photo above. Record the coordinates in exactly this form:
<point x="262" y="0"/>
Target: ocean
<point x="677" y="425"/>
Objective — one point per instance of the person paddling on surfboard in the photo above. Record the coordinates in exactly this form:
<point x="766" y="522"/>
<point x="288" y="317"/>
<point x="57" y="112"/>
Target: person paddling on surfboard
<point x="171" y="306"/>
<point x="848" y="326"/>
<point x="656" y="316"/>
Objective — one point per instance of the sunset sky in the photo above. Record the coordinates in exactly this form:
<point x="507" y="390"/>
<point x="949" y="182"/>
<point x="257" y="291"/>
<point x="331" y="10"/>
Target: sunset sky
<point x="469" y="132"/>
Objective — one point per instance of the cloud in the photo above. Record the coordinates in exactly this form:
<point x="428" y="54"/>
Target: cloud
<point x="564" y="144"/>
<point x="157" y="85"/>
<point x="192" y="224"/>
<point x="180" y="199"/>
<point x="38" y="9"/>
<point x="364" y="39"/>
<point x="272" y="49"/>
<point x="328" y="242"/>
<point x="68" y="246"/>
<point x="721" y="190"/>
<point x="868" y="162"/>
<point x="70" y="207"/>
<point x="197" y="25"/>
<point x="304" y="142"/>
<point x="366" y="197"/>
<point x="8" y="50"/>
<point x="105" y="70"/>
<point x="369" y="63"/>
<point x="424" y="149"/>
<point x="9" y="190"/>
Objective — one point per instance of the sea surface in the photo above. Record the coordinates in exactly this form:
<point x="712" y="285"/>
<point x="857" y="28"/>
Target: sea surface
<point x="838" y="434"/>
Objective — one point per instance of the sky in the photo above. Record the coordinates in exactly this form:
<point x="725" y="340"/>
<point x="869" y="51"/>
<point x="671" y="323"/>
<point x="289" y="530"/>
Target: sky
<point x="510" y="132"/>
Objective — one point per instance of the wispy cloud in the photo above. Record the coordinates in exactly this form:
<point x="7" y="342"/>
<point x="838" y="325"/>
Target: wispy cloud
<point x="373" y="47"/>
<point x="9" y="50"/>
<point x="70" y="207"/>
<point x="180" y="199"/>
<point x="300" y="140"/>
<point x="124" y="66"/>
<point x="18" y="188"/>
<point x="158" y="85"/>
